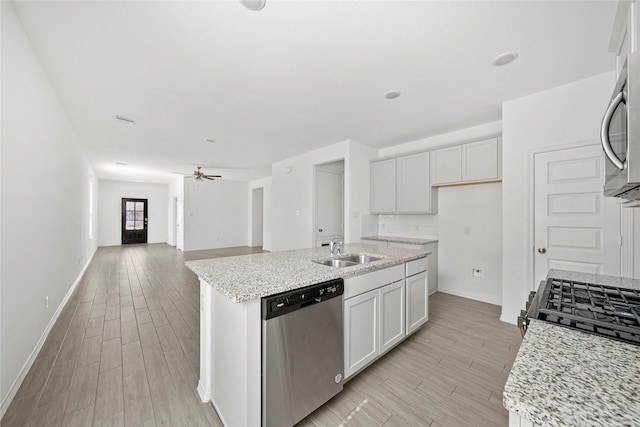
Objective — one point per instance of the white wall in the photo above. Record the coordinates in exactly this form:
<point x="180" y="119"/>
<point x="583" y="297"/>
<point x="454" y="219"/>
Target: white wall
<point x="265" y="184"/>
<point x="44" y="232"/>
<point x="292" y="219"/>
<point x="566" y="114"/>
<point x="215" y="214"/>
<point x="110" y="210"/>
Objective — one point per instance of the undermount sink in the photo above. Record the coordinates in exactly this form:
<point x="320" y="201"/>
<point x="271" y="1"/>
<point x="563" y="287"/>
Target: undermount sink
<point x="348" y="260"/>
<point x="335" y="262"/>
<point x="360" y="258"/>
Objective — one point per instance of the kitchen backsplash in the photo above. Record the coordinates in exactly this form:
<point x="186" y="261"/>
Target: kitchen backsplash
<point x="399" y="225"/>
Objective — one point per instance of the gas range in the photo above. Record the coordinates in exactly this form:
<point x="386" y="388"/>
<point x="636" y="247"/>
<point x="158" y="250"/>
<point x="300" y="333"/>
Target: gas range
<point x="603" y="310"/>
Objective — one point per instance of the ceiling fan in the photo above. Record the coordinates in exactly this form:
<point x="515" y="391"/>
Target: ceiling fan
<point x="198" y="175"/>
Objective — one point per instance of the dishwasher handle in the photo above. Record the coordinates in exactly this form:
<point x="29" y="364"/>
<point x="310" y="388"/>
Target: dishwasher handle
<point x="287" y="302"/>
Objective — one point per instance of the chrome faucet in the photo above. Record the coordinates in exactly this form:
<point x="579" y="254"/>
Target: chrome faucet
<point x="335" y="244"/>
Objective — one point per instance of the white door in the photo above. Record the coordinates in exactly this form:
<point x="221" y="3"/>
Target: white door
<point x="180" y="222"/>
<point x="361" y="339"/>
<point x="575" y="227"/>
<point x="392" y="319"/>
<point x="329" y="204"/>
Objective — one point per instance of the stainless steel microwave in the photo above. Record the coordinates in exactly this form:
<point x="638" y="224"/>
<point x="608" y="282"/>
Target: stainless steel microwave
<point x="620" y="134"/>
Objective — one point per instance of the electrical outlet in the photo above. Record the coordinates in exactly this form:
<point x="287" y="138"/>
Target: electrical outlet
<point x="477" y="273"/>
<point x="46" y="302"/>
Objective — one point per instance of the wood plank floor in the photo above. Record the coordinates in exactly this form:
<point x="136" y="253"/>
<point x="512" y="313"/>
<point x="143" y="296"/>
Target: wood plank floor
<point x="125" y="351"/>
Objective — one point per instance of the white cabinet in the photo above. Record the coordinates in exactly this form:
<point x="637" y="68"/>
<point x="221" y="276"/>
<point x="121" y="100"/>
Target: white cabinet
<point x="361" y="336"/>
<point x="375" y="311"/>
<point x="480" y="160"/>
<point x="374" y="322"/>
<point x="402" y="185"/>
<point x="414" y="192"/>
<point x="446" y="165"/>
<point x="383" y="186"/>
<point x="466" y="163"/>
<point x="392" y="317"/>
<point x="417" y="305"/>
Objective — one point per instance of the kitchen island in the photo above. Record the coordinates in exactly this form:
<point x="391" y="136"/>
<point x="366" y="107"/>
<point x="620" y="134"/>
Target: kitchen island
<point x="230" y="316"/>
<point x="566" y="377"/>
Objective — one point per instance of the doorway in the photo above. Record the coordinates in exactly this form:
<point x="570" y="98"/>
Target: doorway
<point x="134" y="221"/>
<point x="575" y="228"/>
<point x="257" y="217"/>
<point x="329" y="202"/>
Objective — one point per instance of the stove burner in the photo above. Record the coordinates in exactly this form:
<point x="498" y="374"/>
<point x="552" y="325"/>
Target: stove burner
<point x="603" y="310"/>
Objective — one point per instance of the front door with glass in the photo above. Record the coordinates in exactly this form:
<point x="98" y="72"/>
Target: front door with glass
<point x="134" y="221"/>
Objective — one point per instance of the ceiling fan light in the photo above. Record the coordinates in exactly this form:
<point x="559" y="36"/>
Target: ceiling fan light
<point x="254" y="5"/>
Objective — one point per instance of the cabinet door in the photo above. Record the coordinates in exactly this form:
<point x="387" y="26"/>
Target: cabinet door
<point x="446" y="165"/>
<point x="414" y="189"/>
<point x="417" y="301"/>
<point x="361" y="331"/>
<point x="480" y="160"/>
<point x="392" y="317"/>
<point x="383" y="186"/>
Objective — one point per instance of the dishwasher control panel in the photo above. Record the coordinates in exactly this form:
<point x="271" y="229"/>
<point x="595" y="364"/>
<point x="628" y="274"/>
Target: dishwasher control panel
<point x="286" y="302"/>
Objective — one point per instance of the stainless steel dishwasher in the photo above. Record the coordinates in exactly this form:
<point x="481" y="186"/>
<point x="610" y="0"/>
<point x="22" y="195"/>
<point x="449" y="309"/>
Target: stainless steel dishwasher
<point x="302" y="352"/>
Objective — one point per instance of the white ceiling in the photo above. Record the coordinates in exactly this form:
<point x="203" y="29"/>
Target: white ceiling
<point x="297" y="75"/>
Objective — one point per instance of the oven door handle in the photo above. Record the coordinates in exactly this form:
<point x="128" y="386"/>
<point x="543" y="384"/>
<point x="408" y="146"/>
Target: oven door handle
<point x="604" y="132"/>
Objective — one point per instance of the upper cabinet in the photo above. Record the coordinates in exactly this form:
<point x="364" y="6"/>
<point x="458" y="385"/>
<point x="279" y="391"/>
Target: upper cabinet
<point x="414" y="189"/>
<point x="402" y="185"/>
<point x="625" y="37"/>
<point x="466" y="163"/>
<point x="383" y="186"/>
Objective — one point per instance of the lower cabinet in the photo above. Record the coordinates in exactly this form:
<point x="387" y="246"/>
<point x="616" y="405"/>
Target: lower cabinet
<point x="361" y="337"/>
<point x="417" y="288"/>
<point x="374" y="322"/>
<point x="378" y="316"/>
<point x="392" y="318"/>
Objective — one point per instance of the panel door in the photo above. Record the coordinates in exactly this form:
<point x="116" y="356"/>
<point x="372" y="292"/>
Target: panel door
<point x="361" y="331"/>
<point x="417" y="301"/>
<point x="480" y="160"/>
<point x="383" y="186"/>
<point x="576" y="228"/>
<point x="134" y="221"/>
<point x="446" y="165"/>
<point x="180" y="222"/>
<point x="414" y="189"/>
<point x="329" y="204"/>
<point x="392" y="317"/>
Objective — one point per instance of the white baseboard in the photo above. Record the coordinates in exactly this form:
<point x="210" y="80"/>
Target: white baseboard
<point x="32" y="357"/>
<point x="204" y="396"/>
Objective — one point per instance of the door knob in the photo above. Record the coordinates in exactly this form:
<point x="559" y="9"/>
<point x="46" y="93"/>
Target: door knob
<point x="320" y="230"/>
<point x="542" y="250"/>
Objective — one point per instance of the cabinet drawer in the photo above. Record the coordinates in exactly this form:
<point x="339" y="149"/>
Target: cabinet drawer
<point x="360" y="284"/>
<point x="416" y="266"/>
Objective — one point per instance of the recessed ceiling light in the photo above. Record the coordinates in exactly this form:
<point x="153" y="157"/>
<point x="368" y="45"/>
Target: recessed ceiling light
<point x="125" y="120"/>
<point x="211" y="140"/>
<point x="254" y="5"/>
<point x="392" y="94"/>
<point x="121" y="163"/>
<point x="504" y="58"/>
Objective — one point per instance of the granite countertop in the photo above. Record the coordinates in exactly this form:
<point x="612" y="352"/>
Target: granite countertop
<point x="409" y="240"/>
<point x="566" y="377"/>
<point x="248" y="277"/>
